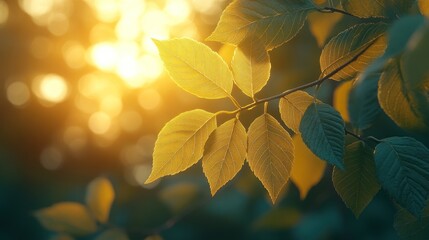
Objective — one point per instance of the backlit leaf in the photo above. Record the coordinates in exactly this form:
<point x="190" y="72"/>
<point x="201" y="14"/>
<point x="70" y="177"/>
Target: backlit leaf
<point x="307" y="169"/>
<point x="394" y="101"/>
<point x="402" y="165"/>
<point x="251" y="67"/>
<point x="322" y="130"/>
<point x="272" y="22"/>
<point x="112" y="234"/>
<point x="376" y="8"/>
<point x="270" y="153"/>
<point x="357" y="184"/>
<point x="99" y="198"/>
<point x="411" y="228"/>
<point x="363" y="104"/>
<point x="180" y="143"/>
<point x="367" y="38"/>
<point x="292" y="108"/>
<point x="424" y="7"/>
<point x="196" y="68"/>
<point x="67" y="217"/>
<point x="341" y="99"/>
<point x="225" y="153"/>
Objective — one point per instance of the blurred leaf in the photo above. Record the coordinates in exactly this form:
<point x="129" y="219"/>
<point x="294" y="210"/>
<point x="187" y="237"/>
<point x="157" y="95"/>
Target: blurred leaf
<point x="67" y="217"/>
<point x="196" y="68"/>
<point x="410" y="227"/>
<point x="341" y="99"/>
<point x="363" y="104"/>
<point x="179" y="196"/>
<point x="308" y="169"/>
<point x="378" y="8"/>
<point x="99" y="198"/>
<point x="225" y="153"/>
<point x="279" y="219"/>
<point x="398" y="36"/>
<point x="415" y="72"/>
<point x="403" y="170"/>
<point x="112" y="234"/>
<point x="154" y="237"/>
<point x="350" y="42"/>
<point x="394" y="100"/>
<point x="272" y="22"/>
<point x="270" y="153"/>
<point x="322" y="130"/>
<point x="61" y="237"/>
<point x="322" y="24"/>
<point x="227" y="52"/>
<point x="292" y="108"/>
<point x="251" y="67"/>
<point x="357" y="184"/>
<point x="180" y="143"/>
<point x="424" y="7"/>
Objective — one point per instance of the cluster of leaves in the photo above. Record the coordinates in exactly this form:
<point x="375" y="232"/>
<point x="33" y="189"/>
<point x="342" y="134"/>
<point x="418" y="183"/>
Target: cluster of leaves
<point x="385" y="58"/>
<point x="71" y="219"/>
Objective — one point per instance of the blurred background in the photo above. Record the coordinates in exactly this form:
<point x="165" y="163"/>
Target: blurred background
<point x="83" y="94"/>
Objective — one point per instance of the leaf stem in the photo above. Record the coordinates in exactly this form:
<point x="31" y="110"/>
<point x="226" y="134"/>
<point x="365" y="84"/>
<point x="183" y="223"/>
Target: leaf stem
<point x="235" y="102"/>
<point x="335" y="10"/>
<point x="348" y="132"/>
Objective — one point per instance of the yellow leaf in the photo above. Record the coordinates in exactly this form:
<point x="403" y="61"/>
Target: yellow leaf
<point x="270" y="153"/>
<point x="341" y="99"/>
<point x="424" y="7"/>
<point x="196" y="68"/>
<point x="225" y="153"/>
<point x="307" y="169"/>
<point x="67" y="217"/>
<point x="322" y="24"/>
<point x="112" y="234"/>
<point x="292" y="107"/>
<point x="367" y="39"/>
<point x="180" y="143"/>
<point x="251" y="67"/>
<point x="99" y="198"/>
<point x="226" y="52"/>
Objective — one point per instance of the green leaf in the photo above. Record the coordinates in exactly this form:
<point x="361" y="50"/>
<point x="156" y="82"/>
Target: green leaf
<point x="424" y="7"/>
<point x="322" y="130"/>
<point x="367" y="37"/>
<point x="196" y="68"/>
<point x="307" y="169"/>
<point x="363" y="104"/>
<point x="270" y="153"/>
<point x="394" y="100"/>
<point x="112" y="234"/>
<point x="67" y="217"/>
<point x="292" y="108"/>
<point x="180" y="143"/>
<point x="225" y="153"/>
<point x="410" y="227"/>
<point x="251" y="67"/>
<point x="271" y="22"/>
<point x="376" y="8"/>
<point x="99" y="198"/>
<point x="415" y="72"/>
<point x="402" y="165"/>
<point x="398" y="36"/>
<point x="357" y="184"/>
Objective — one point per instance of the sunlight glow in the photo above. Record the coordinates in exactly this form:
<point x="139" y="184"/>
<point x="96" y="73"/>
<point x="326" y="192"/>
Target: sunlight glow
<point x="18" y="93"/>
<point x="4" y="12"/>
<point x="99" y="123"/>
<point x="149" y="99"/>
<point x="51" y="87"/>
